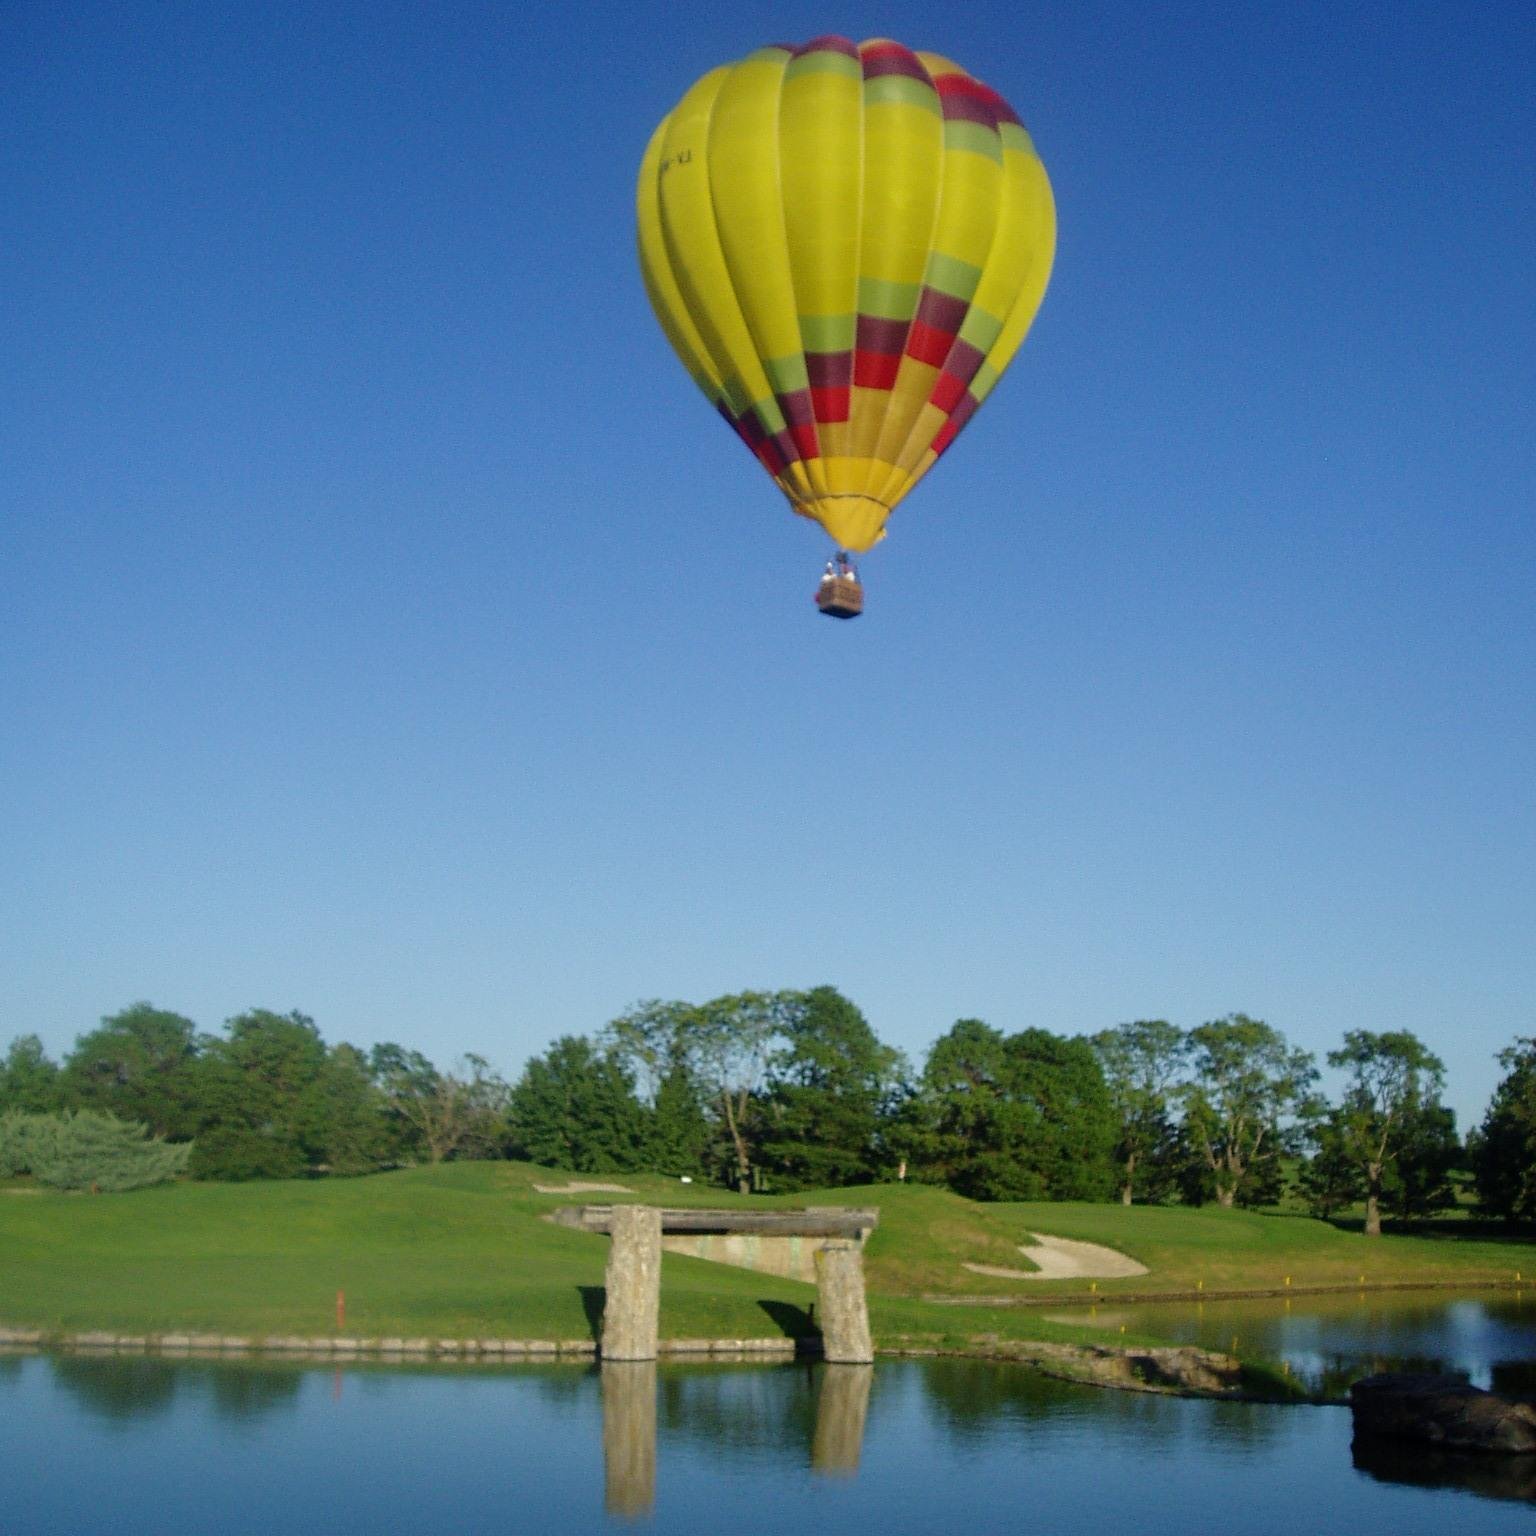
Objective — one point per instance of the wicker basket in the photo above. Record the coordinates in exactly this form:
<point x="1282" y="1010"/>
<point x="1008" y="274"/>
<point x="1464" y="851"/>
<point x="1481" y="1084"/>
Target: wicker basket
<point x="840" y="598"/>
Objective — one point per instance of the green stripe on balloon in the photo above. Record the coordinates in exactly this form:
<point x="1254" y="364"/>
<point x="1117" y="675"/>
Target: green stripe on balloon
<point x="972" y="138"/>
<point x="787" y="374"/>
<point x="827" y="333"/>
<point x="823" y="61"/>
<point x="981" y="329"/>
<point x="899" y="90"/>
<point x="887" y="300"/>
<point x="951" y="275"/>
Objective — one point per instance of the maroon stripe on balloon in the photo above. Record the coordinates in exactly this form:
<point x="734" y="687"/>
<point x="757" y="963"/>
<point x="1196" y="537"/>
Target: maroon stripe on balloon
<point x="875" y="370"/>
<point x="887" y="58"/>
<point x="828" y="44"/>
<point x="749" y="427"/>
<point x="965" y="99"/>
<point x="877" y="335"/>
<point x="963" y="412"/>
<point x="945" y="436"/>
<point x="963" y="360"/>
<point x="1000" y="108"/>
<point x="832" y="404"/>
<point x="829" y="370"/>
<point x="797" y="407"/>
<point x="942" y="311"/>
<point x="771" y="456"/>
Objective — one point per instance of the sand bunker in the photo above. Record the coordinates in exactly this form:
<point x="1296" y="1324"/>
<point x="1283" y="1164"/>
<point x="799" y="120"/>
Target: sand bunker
<point x="579" y="1187"/>
<point x="1061" y="1258"/>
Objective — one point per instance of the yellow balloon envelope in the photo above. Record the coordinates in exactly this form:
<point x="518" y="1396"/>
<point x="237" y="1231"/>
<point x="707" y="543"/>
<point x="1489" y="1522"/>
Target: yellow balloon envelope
<point x="845" y="244"/>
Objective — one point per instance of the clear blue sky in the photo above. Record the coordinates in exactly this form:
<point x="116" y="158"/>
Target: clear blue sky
<point x="390" y="632"/>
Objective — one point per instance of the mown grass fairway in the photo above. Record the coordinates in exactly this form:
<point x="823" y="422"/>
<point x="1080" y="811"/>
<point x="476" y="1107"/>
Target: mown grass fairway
<point x="459" y="1251"/>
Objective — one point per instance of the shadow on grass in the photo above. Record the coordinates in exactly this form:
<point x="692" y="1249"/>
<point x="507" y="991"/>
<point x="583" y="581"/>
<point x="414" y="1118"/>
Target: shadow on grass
<point x="797" y="1323"/>
<point x="1452" y="1229"/>
<point x="593" y="1299"/>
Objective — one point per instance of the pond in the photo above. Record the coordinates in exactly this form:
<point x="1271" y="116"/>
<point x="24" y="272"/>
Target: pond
<point x="145" y="1444"/>
<point x="1329" y="1341"/>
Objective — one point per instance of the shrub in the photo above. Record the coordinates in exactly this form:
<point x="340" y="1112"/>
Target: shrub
<point x="83" y="1149"/>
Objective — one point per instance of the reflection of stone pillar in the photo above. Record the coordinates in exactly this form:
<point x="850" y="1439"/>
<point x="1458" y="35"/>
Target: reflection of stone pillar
<point x="840" y="1298"/>
<point x="840" y="1412"/>
<point x="629" y="1437"/>
<point x="633" y="1284"/>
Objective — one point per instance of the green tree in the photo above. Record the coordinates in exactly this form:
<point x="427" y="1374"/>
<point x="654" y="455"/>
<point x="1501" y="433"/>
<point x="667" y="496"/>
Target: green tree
<point x="350" y="1113"/>
<point x="575" y="1107"/>
<point x="1393" y="1077"/>
<point x="677" y="1131"/>
<point x="139" y="1064"/>
<point x="1331" y="1179"/>
<point x="1503" y="1152"/>
<point x="1020" y="1117"/>
<point x="1248" y="1086"/>
<point x="260" y="1099"/>
<point x="828" y="1090"/>
<point x="461" y="1113"/>
<point x="82" y="1149"/>
<point x="29" y="1081"/>
<point x="1141" y="1062"/>
<point x="1420" y="1181"/>
<point x="726" y="1046"/>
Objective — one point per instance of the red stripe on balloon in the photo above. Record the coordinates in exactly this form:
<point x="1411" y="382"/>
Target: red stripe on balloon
<point x="875" y="370"/>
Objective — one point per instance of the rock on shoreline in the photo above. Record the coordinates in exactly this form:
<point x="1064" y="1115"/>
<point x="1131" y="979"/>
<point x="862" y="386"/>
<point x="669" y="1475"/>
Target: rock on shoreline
<point x="1443" y="1411"/>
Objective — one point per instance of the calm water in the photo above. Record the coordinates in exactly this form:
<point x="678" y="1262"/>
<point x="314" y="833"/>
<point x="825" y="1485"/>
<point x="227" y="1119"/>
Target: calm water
<point x="1330" y="1341"/>
<point x="139" y="1444"/>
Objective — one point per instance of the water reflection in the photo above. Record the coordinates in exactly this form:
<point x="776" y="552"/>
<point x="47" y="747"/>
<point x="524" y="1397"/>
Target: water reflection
<point x="774" y="1448"/>
<point x="841" y="1409"/>
<point x="135" y="1387"/>
<point x="629" y="1437"/>
<point x="1421" y="1466"/>
<point x="752" y="1409"/>
<point x="1329" y="1341"/>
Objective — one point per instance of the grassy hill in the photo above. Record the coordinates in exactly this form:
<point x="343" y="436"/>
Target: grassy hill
<point x="460" y="1251"/>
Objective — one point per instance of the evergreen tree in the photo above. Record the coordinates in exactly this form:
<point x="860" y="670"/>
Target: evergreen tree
<point x="677" y="1131"/>
<point x="575" y="1107"/>
<point x="82" y="1149"/>
<point x="1503" y="1153"/>
<point x="1331" y="1179"/>
<point x="1419" y="1181"/>
<point x="1021" y="1117"/>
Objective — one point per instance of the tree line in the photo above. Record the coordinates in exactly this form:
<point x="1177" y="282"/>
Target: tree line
<point x="793" y="1089"/>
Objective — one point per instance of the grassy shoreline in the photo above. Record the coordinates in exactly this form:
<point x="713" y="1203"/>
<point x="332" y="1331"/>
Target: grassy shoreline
<point x="461" y="1252"/>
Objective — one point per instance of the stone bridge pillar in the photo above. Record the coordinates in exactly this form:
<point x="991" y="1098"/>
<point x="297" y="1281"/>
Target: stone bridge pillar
<point x="633" y="1282"/>
<point x="840" y="1301"/>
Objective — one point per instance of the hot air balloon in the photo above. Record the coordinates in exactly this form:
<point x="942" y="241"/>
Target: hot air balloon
<point x="845" y="244"/>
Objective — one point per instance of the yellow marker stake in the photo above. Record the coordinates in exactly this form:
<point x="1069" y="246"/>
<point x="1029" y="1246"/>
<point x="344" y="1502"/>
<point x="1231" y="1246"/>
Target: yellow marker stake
<point x="1287" y="1279"/>
<point x="1199" y="1285"/>
<point x="1093" y="1285"/>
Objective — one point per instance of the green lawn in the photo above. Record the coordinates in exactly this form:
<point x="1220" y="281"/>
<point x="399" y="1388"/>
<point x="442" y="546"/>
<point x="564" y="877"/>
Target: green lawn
<point x="459" y="1251"/>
